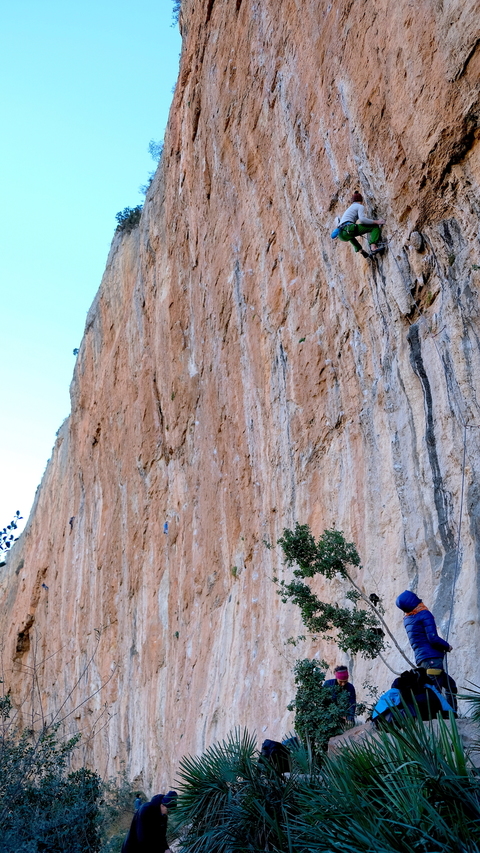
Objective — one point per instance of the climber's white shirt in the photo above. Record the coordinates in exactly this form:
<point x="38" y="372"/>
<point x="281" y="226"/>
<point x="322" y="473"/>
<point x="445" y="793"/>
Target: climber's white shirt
<point x="356" y="213"/>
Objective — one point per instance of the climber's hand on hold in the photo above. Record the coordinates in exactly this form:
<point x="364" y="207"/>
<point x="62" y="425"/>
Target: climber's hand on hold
<point x="450" y="648"/>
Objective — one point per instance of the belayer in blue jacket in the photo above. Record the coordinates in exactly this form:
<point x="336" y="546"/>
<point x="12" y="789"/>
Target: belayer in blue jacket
<point x="428" y="647"/>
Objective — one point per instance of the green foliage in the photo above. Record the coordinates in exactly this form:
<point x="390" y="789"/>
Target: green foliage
<point x="407" y="790"/>
<point x="128" y="218"/>
<point x="177" y="5"/>
<point x="116" y="813"/>
<point x="320" y="712"/>
<point x="43" y="806"/>
<point x="7" y="536"/>
<point x="155" y="149"/>
<point x="357" y="631"/>
<point x="329" y="557"/>
<point x="473" y="699"/>
<point x="231" y="799"/>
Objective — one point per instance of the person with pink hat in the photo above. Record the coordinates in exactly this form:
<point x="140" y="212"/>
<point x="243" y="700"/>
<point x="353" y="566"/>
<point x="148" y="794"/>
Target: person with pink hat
<point x="341" y="682"/>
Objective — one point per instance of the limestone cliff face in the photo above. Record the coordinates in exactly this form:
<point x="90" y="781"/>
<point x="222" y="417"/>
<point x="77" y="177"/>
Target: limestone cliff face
<point x="241" y="371"/>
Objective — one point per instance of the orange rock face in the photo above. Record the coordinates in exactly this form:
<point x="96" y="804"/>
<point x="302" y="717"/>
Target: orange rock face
<point x="240" y="371"/>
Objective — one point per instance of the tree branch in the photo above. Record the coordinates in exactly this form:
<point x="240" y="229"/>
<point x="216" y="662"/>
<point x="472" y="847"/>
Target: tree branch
<point x="382" y="620"/>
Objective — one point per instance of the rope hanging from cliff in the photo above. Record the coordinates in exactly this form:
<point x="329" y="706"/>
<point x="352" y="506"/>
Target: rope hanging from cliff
<point x="457" y="555"/>
<point x="465" y="425"/>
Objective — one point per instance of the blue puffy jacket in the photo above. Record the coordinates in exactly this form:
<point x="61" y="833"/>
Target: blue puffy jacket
<point x="421" y="629"/>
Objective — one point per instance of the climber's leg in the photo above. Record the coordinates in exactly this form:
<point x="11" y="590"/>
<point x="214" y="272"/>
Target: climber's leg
<point x="356" y="245"/>
<point x="374" y="233"/>
<point x="350" y="232"/>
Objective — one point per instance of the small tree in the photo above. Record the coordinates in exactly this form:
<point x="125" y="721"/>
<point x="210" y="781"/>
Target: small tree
<point x="128" y="218"/>
<point x="7" y="536"/>
<point x="356" y="630"/>
<point x="320" y="712"/>
<point x="43" y="806"/>
<point x="155" y="149"/>
<point x="177" y="5"/>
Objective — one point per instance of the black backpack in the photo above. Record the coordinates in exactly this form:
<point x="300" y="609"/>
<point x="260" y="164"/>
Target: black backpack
<point x="276" y="754"/>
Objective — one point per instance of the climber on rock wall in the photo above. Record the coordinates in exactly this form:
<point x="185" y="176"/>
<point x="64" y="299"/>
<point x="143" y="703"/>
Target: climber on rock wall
<point x="354" y="223"/>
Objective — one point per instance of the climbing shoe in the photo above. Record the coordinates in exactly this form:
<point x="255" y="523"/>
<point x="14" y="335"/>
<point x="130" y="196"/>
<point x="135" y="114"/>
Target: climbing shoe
<point x="364" y="253"/>
<point x="380" y="248"/>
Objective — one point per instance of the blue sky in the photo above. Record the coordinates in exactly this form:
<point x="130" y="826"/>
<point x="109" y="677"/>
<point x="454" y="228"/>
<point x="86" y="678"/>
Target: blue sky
<point x="85" y="87"/>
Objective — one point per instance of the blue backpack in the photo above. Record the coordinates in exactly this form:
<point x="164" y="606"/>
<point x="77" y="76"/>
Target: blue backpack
<point x="428" y="706"/>
<point x="391" y="699"/>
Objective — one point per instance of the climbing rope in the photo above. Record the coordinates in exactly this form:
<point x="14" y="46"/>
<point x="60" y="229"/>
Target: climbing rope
<point x="465" y="425"/>
<point x="457" y="556"/>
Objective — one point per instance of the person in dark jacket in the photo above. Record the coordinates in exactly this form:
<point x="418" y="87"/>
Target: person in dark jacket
<point x="341" y="682"/>
<point x="429" y="649"/>
<point x="148" y="831"/>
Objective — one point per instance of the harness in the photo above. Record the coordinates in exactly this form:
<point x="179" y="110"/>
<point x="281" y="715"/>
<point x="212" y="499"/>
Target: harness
<point x="344" y="227"/>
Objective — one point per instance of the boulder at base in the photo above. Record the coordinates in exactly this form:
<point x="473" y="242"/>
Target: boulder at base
<point x="469" y="732"/>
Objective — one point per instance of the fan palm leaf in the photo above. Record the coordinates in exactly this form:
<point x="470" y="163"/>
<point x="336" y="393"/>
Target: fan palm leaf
<point x="410" y="789"/>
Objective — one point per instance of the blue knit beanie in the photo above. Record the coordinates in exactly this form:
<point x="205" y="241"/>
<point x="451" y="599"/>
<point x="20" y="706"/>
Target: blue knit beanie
<point x="407" y="601"/>
<point x="170" y="799"/>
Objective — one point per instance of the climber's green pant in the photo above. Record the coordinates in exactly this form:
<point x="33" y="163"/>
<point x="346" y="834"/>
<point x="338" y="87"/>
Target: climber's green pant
<point x="351" y="230"/>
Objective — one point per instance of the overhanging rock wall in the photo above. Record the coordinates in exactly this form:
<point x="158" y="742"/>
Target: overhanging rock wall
<point x="241" y="371"/>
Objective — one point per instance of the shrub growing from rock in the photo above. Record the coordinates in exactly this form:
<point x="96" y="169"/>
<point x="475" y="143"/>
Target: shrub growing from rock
<point x="128" y="218"/>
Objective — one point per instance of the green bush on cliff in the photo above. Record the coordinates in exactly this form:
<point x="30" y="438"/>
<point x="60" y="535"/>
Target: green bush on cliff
<point x="177" y="4"/>
<point x="7" y="535"/>
<point x="155" y="149"/>
<point x="128" y="218"/>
